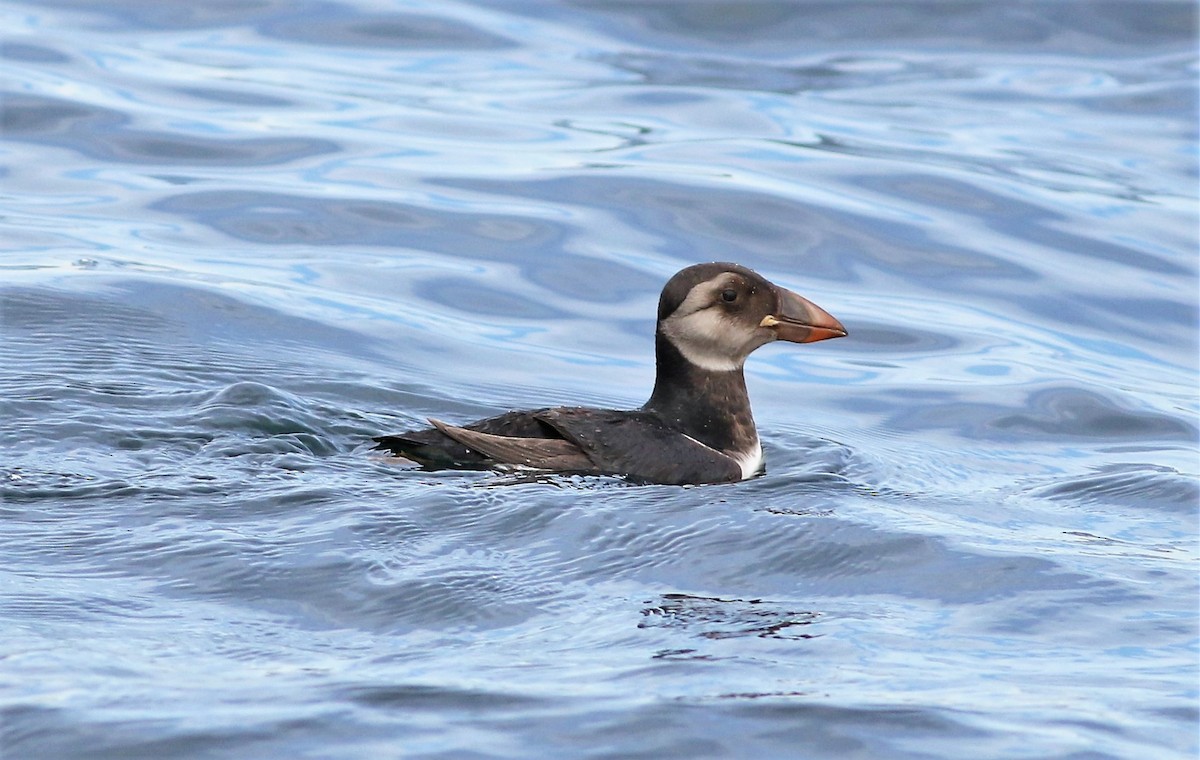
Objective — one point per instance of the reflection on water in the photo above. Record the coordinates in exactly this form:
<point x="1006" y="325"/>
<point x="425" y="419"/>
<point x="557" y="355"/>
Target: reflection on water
<point x="240" y="239"/>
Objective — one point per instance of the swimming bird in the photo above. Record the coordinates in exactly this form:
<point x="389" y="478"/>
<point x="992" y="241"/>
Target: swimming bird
<point x="695" y="428"/>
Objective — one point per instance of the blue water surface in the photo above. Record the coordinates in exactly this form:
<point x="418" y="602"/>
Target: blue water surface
<point x="240" y="238"/>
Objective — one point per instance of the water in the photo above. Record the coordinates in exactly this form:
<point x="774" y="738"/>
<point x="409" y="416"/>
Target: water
<point x="241" y="238"/>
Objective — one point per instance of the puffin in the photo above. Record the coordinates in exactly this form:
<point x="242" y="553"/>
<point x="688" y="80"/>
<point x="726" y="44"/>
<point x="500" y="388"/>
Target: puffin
<point x="696" y="428"/>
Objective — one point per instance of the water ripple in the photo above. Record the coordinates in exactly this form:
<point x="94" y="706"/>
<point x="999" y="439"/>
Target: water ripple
<point x="243" y="238"/>
<point x="73" y="126"/>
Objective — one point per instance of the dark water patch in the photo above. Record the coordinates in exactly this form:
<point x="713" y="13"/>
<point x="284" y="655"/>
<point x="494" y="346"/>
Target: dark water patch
<point x="63" y="733"/>
<point x="33" y="487"/>
<point x="1162" y="312"/>
<point x="835" y="73"/>
<point x="774" y="25"/>
<point x="1060" y="413"/>
<point x="235" y="97"/>
<point x="765" y="230"/>
<point x="30" y="53"/>
<point x="274" y="218"/>
<point x="716" y="618"/>
<point x="1139" y="551"/>
<point x="839" y="731"/>
<point x="757" y="724"/>
<point x="282" y="444"/>
<point x="805" y="476"/>
<point x="485" y="301"/>
<point x="38" y="117"/>
<point x="264" y="557"/>
<point x="943" y="193"/>
<point x="442" y="127"/>
<point x="710" y="539"/>
<point x="593" y="279"/>
<point x="158" y="327"/>
<point x="1151" y="100"/>
<point x="52" y="315"/>
<point x="142" y="397"/>
<point x="1021" y="220"/>
<point x="420" y="512"/>
<point x="1147" y="85"/>
<point x="398" y="31"/>
<point x="1137" y="486"/>
<point x="144" y="15"/>
<point x="834" y="556"/>
<point x="1039" y="172"/>
<point x="71" y="607"/>
<point x="475" y="598"/>
<point x="1056" y="413"/>
<point x="104" y="134"/>
<point x="169" y="148"/>
<point x="900" y="338"/>
<point x="416" y="698"/>
<point x="1045" y="229"/>
<point x="277" y="560"/>
<point x="1081" y="618"/>
<point x="251" y="406"/>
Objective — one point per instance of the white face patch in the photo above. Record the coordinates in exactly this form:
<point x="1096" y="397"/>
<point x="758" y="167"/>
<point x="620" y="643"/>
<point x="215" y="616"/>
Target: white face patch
<point x="709" y="337"/>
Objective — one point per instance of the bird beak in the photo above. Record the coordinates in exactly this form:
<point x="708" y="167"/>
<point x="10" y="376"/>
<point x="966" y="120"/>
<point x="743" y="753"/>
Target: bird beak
<point x="799" y="320"/>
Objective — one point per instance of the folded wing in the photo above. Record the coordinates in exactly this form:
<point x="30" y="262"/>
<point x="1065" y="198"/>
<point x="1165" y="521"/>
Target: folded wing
<point x="636" y="445"/>
<point x="641" y="447"/>
<point x="541" y="453"/>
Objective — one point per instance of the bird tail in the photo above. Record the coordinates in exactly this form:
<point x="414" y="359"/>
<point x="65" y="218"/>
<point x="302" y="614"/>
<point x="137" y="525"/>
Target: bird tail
<point x="430" y="449"/>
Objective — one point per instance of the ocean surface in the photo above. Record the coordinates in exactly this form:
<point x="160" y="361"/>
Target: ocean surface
<point x="240" y="238"/>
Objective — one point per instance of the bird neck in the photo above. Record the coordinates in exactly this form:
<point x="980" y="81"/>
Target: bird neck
<point x="710" y="406"/>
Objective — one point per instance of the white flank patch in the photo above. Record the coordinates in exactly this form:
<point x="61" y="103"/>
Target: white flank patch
<point x="751" y="462"/>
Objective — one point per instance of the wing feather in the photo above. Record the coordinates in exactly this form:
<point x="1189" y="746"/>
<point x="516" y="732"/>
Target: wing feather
<point x="640" y="446"/>
<point x="542" y="453"/>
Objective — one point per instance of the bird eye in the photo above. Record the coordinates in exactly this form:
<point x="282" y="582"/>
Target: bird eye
<point x="728" y="295"/>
